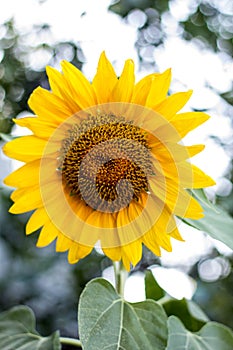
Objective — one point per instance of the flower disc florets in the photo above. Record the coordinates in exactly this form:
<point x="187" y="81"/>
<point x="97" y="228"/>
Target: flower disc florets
<point x="105" y="161"/>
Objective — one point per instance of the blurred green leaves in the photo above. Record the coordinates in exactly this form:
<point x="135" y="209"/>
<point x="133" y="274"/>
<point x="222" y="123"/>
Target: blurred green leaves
<point x="17" y="331"/>
<point x="207" y="23"/>
<point x="123" y="7"/>
<point x="212" y="336"/>
<point x="213" y="24"/>
<point x="189" y="312"/>
<point x="19" y="76"/>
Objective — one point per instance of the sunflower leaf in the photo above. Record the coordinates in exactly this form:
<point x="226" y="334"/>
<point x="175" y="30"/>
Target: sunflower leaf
<point x="216" y="223"/>
<point x="17" y="331"/>
<point x="152" y="289"/>
<point x="212" y="336"/>
<point x="106" y="321"/>
<point x="188" y="312"/>
<point x="201" y="196"/>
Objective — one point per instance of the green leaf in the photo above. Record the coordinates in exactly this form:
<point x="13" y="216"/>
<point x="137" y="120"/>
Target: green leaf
<point x="188" y="312"/>
<point x="201" y="196"/>
<point x="17" y="331"/>
<point x="196" y="311"/>
<point x="106" y="321"/>
<point x="123" y="7"/>
<point x="153" y="290"/>
<point x="213" y="336"/>
<point x="216" y="223"/>
<point x="228" y="96"/>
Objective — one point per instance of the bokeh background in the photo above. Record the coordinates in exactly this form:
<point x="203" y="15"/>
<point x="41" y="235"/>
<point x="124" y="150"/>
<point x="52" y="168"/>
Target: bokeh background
<point x="195" y="39"/>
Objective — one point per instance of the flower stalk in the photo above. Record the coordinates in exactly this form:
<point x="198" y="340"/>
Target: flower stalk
<point x="71" y="341"/>
<point x="120" y="277"/>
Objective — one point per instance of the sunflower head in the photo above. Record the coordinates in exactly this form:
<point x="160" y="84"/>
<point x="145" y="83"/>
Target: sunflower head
<point x="105" y="162"/>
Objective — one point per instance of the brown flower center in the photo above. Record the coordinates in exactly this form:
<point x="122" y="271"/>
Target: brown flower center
<point x="105" y="161"/>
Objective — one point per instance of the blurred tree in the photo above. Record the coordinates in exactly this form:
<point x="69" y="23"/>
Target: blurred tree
<point x="208" y="21"/>
<point x="18" y="77"/>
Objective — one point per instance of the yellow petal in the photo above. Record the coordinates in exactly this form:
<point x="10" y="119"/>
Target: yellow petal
<point x="81" y="89"/>
<point x="168" y="152"/>
<point x="126" y="262"/>
<point x="47" y="235"/>
<point x="104" y="80"/>
<point x="104" y="226"/>
<point x="176" y="234"/>
<point x="154" y="239"/>
<point x="198" y="180"/>
<point x="63" y="243"/>
<point x="57" y="82"/>
<point x="26" y="176"/>
<point x="113" y="253"/>
<point x="39" y="127"/>
<point x="195" y="149"/>
<point x="171" y="153"/>
<point x="26" y="148"/>
<point x="77" y="252"/>
<point x="179" y="126"/>
<point x="150" y="242"/>
<point x="176" y="198"/>
<point x="127" y="231"/>
<point x="50" y="107"/>
<point x="123" y="90"/>
<point x="172" y="104"/>
<point x="159" y="89"/>
<point x="185" y="122"/>
<point x="133" y="252"/>
<point x="26" y="200"/>
<point x="162" y="218"/>
<point x="37" y="219"/>
<point x="142" y="89"/>
<point x="138" y="218"/>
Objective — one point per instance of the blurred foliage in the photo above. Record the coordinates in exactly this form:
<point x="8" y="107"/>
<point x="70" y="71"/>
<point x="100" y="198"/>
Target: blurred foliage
<point x="209" y="22"/>
<point x="17" y="331"/>
<point x="216" y="299"/>
<point x="146" y="15"/>
<point x="40" y="278"/>
<point x="18" y="76"/>
<point x="213" y="24"/>
<point x="123" y="7"/>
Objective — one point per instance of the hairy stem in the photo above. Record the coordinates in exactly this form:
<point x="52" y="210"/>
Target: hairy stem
<point x="71" y="341"/>
<point x="120" y="277"/>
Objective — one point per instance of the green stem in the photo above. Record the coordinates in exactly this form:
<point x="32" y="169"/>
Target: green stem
<point x="164" y="300"/>
<point x="71" y="341"/>
<point x="120" y="277"/>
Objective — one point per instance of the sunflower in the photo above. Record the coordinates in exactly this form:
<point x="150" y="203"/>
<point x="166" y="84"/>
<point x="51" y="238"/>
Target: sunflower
<point x="105" y="163"/>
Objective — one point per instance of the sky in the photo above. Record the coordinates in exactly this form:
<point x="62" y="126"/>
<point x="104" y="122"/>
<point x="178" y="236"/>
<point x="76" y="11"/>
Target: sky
<point x="89" y="23"/>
